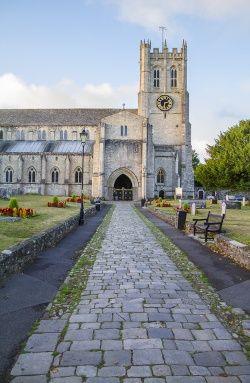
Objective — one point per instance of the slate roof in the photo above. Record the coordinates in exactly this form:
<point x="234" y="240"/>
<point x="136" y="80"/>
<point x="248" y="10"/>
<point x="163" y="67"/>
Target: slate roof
<point x="45" y="147"/>
<point x="55" y="117"/>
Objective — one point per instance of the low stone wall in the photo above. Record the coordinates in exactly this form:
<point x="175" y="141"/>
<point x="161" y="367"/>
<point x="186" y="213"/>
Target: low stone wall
<point x="234" y="250"/>
<point x="13" y="259"/>
<point x="171" y="219"/>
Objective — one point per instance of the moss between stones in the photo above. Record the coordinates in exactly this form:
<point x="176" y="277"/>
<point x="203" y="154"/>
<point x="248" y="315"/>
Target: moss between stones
<point x="69" y="294"/>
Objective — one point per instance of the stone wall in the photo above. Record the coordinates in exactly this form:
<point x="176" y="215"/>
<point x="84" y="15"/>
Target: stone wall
<point x="14" y="259"/>
<point x="227" y="247"/>
<point x="234" y="250"/>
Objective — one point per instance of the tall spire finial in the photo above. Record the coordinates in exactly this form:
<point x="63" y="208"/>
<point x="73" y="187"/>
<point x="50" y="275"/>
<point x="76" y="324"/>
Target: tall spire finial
<point x="163" y="29"/>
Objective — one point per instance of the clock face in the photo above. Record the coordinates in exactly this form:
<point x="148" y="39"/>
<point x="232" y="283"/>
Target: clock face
<point x="164" y="102"/>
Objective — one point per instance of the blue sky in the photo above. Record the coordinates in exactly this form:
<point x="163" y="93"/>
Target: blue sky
<point x="85" y="53"/>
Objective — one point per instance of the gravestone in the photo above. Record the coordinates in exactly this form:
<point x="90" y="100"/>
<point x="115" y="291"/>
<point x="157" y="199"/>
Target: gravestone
<point x="193" y="208"/>
<point x="233" y="204"/>
<point x="223" y="208"/>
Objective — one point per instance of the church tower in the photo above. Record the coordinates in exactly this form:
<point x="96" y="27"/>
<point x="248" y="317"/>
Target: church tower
<point x="163" y="100"/>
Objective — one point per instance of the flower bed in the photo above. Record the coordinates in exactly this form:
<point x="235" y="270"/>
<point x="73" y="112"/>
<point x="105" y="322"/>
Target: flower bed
<point x="74" y="199"/>
<point x="17" y="212"/>
<point x="161" y="203"/>
<point x="57" y="204"/>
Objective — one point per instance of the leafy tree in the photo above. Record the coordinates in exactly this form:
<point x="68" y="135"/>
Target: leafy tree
<point x="195" y="163"/>
<point x="195" y="159"/>
<point x="228" y="162"/>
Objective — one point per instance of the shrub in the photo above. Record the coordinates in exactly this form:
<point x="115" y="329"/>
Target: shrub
<point x="55" y="199"/>
<point x="186" y="206"/>
<point x="13" y="203"/>
<point x="73" y="198"/>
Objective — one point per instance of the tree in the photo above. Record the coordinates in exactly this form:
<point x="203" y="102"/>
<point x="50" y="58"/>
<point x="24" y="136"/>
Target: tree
<point x="195" y="159"/>
<point x="228" y="162"/>
<point x="195" y="163"/>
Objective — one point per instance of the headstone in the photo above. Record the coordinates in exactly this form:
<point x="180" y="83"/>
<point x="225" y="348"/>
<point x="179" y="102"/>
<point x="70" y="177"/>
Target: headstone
<point x="244" y="201"/>
<point x="223" y="208"/>
<point x="233" y="204"/>
<point x="193" y="209"/>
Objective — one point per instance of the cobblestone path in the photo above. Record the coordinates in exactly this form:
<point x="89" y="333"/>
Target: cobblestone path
<point x="138" y="321"/>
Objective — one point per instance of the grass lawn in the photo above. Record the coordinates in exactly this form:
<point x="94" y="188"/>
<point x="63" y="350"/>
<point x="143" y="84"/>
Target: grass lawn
<point x="236" y="223"/>
<point x="12" y="233"/>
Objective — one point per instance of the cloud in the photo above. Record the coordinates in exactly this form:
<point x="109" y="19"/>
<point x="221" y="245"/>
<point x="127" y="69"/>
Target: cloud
<point x="200" y="147"/>
<point x="153" y="13"/>
<point x="15" y="93"/>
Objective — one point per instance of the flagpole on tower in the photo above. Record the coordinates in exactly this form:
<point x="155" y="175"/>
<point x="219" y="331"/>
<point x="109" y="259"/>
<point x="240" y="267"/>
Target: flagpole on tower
<point x="162" y="29"/>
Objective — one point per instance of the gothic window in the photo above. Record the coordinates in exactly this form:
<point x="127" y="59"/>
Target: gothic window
<point x="44" y="135"/>
<point x="39" y="135"/>
<point x="54" y="176"/>
<point x="9" y="175"/>
<point x="22" y="135"/>
<point x="18" y="135"/>
<point x="32" y="175"/>
<point x="74" y="135"/>
<point x="125" y="130"/>
<point x="65" y="136"/>
<point x="121" y="130"/>
<point x="173" y="77"/>
<point x="1" y="134"/>
<point x="78" y="176"/>
<point x="61" y="135"/>
<point x="160" y="177"/>
<point x="156" y="78"/>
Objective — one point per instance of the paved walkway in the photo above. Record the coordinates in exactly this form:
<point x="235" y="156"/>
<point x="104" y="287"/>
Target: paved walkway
<point x="138" y="321"/>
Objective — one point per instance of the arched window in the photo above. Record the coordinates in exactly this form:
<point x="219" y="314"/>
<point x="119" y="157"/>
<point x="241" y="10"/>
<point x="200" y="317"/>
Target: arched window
<point x="1" y="134"/>
<point x="74" y="134"/>
<point x="121" y="130"/>
<point x="39" y="135"/>
<point x="156" y="78"/>
<point x="9" y="175"/>
<point x="160" y="177"/>
<point x="32" y="175"/>
<point x="65" y="136"/>
<point x="52" y="135"/>
<point x="61" y="135"/>
<point x="22" y="135"/>
<point x="125" y="130"/>
<point x="18" y="135"/>
<point x="44" y="135"/>
<point x="54" y="176"/>
<point x="173" y="77"/>
<point x="78" y="176"/>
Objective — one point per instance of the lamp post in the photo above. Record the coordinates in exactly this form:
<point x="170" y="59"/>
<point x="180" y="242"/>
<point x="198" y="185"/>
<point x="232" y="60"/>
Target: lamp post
<point x="83" y="137"/>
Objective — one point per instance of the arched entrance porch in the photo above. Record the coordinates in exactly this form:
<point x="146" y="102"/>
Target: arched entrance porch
<point x="122" y="185"/>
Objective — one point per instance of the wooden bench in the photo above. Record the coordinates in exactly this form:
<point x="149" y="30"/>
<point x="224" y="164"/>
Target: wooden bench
<point x="211" y="224"/>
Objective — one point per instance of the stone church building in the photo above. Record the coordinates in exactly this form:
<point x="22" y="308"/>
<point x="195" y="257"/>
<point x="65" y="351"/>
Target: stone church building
<point x="130" y="153"/>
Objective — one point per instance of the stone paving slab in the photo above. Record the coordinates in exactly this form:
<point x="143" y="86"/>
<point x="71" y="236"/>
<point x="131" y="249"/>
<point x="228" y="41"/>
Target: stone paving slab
<point x="138" y="321"/>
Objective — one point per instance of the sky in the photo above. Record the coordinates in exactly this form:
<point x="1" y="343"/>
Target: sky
<point x="85" y="53"/>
